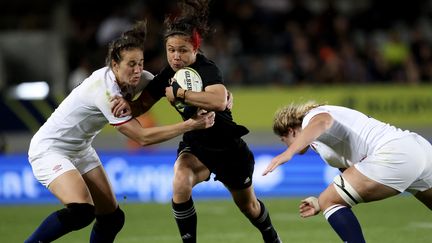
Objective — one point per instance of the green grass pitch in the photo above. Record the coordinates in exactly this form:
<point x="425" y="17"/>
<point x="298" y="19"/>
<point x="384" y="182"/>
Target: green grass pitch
<point x="399" y="219"/>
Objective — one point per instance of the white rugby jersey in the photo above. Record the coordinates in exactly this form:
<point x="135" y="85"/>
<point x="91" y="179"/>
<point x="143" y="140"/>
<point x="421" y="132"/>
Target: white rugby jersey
<point x="352" y="137"/>
<point x="83" y="113"/>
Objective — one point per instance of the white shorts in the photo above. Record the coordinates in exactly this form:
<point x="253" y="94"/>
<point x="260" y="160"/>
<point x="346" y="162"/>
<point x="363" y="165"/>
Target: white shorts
<point x="404" y="164"/>
<point x="46" y="167"/>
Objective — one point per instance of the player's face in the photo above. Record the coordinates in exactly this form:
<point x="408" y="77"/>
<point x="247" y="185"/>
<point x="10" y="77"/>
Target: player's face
<point x="288" y="138"/>
<point x="128" y="71"/>
<point x="180" y="51"/>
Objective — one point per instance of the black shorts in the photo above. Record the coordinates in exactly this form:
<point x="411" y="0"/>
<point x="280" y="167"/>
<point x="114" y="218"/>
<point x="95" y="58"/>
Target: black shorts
<point x="232" y="165"/>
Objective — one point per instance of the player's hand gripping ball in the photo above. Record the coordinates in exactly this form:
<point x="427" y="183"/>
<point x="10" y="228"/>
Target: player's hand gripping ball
<point x="188" y="79"/>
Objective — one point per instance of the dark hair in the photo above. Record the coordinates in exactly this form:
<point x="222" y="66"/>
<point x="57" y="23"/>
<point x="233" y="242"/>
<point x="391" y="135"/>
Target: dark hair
<point x="189" y="19"/>
<point x="130" y="39"/>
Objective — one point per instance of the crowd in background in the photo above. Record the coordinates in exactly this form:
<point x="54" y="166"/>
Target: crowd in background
<point x="272" y="42"/>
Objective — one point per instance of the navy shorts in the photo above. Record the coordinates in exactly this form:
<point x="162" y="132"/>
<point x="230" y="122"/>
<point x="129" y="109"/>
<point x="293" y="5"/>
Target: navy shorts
<point x="232" y="164"/>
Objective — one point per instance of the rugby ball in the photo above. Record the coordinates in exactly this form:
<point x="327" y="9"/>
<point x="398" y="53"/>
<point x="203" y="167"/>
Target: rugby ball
<point x="188" y="79"/>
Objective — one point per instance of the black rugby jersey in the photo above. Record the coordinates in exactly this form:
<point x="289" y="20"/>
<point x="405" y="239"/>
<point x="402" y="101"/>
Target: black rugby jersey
<point x="224" y="128"/>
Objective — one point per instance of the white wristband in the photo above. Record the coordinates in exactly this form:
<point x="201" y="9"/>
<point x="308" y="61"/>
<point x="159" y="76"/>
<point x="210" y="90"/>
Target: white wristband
<point x="314" y="202"/>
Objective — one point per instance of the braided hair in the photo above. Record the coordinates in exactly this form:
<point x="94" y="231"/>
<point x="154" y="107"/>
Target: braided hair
<point x="189" y="19"/>
<point x="130" y="39"/>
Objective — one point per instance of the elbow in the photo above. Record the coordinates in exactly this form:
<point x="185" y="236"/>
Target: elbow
<point x="220" y="106"/>
<point x="145" y="142"/>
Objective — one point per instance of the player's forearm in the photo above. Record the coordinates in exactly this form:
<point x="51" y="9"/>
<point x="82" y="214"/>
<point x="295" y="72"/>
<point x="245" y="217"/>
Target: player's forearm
<point x="156" y="135"/>
<point x="206" y="100"/>
<point x="304" y="140"/>
<point x="310" y="133"/>
<point x="153" y="135"/>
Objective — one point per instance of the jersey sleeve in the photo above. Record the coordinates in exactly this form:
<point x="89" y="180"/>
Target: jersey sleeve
<point x="313" y="112"/>
<point x="102" y="102"/>
<point x="146" y="77"/>
<point x="210" y="75"/>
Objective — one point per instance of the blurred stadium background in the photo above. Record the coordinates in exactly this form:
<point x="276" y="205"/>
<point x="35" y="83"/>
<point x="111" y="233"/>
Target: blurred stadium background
<point x="375" y="56"/>
<point x="331" y="50"/>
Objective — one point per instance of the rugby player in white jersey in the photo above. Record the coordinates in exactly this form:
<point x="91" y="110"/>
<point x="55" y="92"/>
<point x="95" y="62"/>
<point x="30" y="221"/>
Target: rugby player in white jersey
<point x="61" y="154"/>
<point x="378" y="160"/>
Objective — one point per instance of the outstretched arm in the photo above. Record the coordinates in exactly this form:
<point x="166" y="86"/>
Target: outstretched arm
<point x="317" y="126"/>
<point x="153" y="135"/>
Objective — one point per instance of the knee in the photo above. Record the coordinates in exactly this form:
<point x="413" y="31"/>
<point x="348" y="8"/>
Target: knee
<point x="76" y="215"/>
<point x="110" y="223"/>
<point x="182" y="182"/>
<point x="347" y="194"/>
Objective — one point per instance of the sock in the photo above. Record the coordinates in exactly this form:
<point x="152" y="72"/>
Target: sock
<point x="186" y="218"/>
<point x="107" y="226"/>
<point x="264" y="225"/>
<point x="49" y="230"/>
<point x="345" y="223"/>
